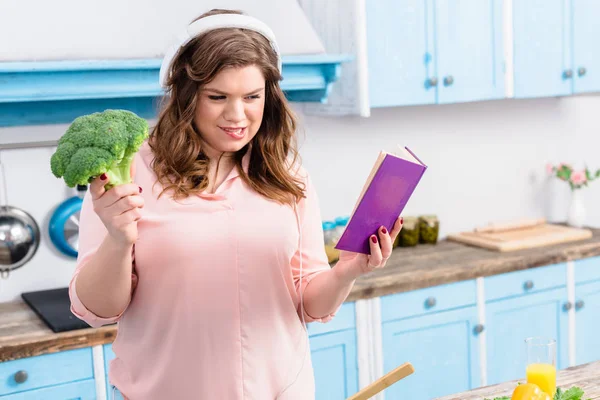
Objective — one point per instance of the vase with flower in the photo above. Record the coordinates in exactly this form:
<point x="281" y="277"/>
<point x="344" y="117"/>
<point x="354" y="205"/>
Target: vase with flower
<point x="577" y="180"/>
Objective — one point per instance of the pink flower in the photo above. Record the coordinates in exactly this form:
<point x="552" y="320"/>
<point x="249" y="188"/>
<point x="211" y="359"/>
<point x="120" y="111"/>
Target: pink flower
<point x="549" y="169"/>
<point x="578" y="178"/>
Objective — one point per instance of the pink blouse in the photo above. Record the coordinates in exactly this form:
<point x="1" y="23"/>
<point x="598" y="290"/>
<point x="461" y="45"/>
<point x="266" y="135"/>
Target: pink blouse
<point x="215" y="313"/>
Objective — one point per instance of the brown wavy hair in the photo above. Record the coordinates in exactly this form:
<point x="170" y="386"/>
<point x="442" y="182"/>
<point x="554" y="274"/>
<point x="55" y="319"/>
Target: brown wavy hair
<point x="179" y="162"/>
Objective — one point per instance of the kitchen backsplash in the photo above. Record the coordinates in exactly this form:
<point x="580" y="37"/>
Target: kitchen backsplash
<point x="486" y="163"/>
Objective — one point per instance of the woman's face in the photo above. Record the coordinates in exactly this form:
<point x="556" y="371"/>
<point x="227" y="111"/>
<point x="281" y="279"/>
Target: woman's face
<point x="230" y="109"/>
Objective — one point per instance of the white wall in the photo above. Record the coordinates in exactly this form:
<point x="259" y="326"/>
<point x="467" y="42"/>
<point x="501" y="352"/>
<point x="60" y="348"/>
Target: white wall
<point x="486" y="163"/>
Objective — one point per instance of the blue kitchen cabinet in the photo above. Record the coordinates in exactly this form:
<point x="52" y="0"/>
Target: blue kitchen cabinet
<point x="436" y="330"/>
<point x="54" y="376"/>
<point x="521" y="305"/>
<point x="542" y="49"/>
<point x="469" y="54"/>
<point x="399" y="53"/>
<point x="586" y="53"/>
<point x="587" y="304"/>
<point x="587" y="324"/>
<point x="334" y="355"/>
<point x="81" y="390"/>
<point x="432" y="52"/>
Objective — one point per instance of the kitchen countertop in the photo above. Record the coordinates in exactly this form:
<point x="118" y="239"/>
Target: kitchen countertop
<point x="446" y="262"/>
<point x="586" y="377"/>
<point x="23" y="334"/>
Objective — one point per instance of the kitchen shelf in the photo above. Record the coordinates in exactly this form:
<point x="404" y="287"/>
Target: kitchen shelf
<point x="52" y="92"/>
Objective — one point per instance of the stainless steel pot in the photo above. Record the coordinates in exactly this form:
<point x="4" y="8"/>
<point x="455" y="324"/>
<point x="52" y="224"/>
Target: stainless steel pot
<point x="19" y="238"/>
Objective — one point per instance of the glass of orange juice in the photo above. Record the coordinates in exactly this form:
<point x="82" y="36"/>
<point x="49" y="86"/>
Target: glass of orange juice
<point x="541" y="363"/>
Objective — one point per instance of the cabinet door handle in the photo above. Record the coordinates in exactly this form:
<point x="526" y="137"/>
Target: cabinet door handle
<point x="430" y="302"/>
<point x="431" y="82"/>
<point x="528" y="285"/>
<point x="568" y="74"/>
<point x="568" y="305"/>
<point x="581" y="71"/>
<point x="20" y="376"/>
<point x="449" y="80"/>
<point x="579" y="305"/>
<point x="478" y="329"/>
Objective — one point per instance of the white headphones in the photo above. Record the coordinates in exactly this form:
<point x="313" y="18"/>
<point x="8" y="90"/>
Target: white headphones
<point x="215" y="22"/>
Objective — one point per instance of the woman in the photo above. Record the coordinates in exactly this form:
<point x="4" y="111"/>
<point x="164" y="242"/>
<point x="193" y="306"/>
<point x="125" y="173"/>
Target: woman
<point x="213" y="260"/>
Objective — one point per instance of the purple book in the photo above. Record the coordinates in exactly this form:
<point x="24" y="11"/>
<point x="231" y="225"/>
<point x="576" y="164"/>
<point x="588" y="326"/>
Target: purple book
<point x="392" y="181"/>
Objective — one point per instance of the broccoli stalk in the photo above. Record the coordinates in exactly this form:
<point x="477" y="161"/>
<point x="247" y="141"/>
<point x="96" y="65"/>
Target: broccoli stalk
<point x="104" y="142"/>
<point x="119" y="174"/>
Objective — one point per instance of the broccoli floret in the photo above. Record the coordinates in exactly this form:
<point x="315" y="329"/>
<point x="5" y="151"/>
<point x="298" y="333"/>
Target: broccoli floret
<point x="102" y="142"/>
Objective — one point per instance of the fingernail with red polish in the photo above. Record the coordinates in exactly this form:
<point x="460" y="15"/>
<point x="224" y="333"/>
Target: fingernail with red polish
<point x="401" y="220"/>
<point x="103" y="177"/>
<point x="374" y="239"/>
<point x="140" y="189"/>
<point x="383" y="230"/>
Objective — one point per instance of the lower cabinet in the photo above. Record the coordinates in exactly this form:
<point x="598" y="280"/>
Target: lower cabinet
<point x="511" y="321"/>
<point x="437" y="331"/>
<point x="587" y="308"/>
<point x="55" y="376"/>
<point x="81" y="390"/>
<point x="333" y="348"/>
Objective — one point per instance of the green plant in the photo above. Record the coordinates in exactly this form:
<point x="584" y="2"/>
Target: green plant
<point x="102" y="142"/>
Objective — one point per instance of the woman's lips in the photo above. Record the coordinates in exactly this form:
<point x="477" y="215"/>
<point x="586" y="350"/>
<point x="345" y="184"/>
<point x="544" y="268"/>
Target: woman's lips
<point x="236" y="133"/>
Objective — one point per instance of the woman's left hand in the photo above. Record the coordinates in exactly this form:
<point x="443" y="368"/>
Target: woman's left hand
<point x="352" y="265"/>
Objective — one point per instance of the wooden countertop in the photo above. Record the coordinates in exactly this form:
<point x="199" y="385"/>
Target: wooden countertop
<point x="23" y="334"/>
<point x="446" y="262"/>
<point x="586" y="377"/>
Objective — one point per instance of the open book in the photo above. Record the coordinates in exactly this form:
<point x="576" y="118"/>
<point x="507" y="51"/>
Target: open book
<point x="388" y="188"/>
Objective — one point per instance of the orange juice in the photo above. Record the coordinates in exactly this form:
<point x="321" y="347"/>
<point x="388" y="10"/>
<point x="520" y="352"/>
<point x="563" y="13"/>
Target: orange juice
<point x="543" y="375"/>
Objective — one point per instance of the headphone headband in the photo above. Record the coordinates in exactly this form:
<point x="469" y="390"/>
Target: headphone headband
<point x="216" y="22"/>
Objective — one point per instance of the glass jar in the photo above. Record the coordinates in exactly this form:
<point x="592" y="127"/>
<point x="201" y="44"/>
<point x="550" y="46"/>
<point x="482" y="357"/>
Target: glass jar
<point x="329" y="234"/>
<point x="429" y="228"/>
<point x="409" y="234"/>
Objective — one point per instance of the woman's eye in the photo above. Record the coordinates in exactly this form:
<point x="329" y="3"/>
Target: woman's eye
<point x="216" y="97"/>
<point x="256" y="96"/>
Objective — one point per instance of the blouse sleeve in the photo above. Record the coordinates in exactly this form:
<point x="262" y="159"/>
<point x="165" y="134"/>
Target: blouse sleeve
<point x="312" y="247"/>
<point x="91" y="234"/>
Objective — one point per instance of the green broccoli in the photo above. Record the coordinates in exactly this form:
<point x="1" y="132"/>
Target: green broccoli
<point x="102" y="142"/>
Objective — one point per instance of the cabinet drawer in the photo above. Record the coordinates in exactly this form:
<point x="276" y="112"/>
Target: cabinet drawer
<point x="46" y="370"/>
<point x="345" y="318"/>
<point x="81" y="390"/>
<point x="587" y="270"/>
<point x="532" y="280"/>
<point x="423" y="301"/>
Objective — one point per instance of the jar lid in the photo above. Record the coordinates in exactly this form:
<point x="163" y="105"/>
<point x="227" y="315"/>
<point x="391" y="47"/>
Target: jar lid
<point x="409" y="222"/>
<point x="328" y="225"/>
<point x="342" y="221"/>
<point x="431" y="220"/>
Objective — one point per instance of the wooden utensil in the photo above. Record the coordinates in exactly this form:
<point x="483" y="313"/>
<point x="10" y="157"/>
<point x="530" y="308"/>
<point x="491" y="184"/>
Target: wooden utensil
<point x="385" y="381"/>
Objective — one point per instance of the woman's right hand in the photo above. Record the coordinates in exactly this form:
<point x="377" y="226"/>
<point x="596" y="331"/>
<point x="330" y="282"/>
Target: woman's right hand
<point x="118" y="208"/>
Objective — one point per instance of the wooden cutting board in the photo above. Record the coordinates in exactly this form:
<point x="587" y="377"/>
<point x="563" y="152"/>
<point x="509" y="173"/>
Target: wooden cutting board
<point x="520" y="235"/>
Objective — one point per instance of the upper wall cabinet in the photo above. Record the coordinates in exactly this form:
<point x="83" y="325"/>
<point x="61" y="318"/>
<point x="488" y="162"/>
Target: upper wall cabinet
<point x="434" y="51"/>
<point x="555" y="50"/>
<point x="586" y="50"/>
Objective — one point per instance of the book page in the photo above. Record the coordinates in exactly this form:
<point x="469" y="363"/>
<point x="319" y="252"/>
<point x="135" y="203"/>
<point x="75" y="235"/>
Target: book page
<point x="404" y="154"/>
<point x="378" y="162"/>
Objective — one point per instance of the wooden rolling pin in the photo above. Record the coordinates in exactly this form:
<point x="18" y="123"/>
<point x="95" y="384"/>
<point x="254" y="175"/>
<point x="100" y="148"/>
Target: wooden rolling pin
<point x="385" y="381"/>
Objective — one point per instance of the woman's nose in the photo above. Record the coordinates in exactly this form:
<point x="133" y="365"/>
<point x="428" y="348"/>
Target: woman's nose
<point x="234" y="111"/>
